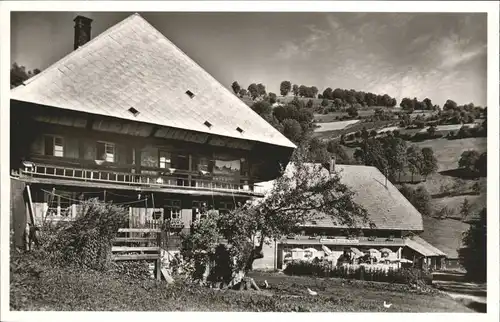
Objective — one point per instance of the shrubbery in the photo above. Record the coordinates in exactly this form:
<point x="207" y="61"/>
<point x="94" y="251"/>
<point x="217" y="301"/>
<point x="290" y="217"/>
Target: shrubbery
<point x="87" y="240"/>
<point x="323" y="268"/>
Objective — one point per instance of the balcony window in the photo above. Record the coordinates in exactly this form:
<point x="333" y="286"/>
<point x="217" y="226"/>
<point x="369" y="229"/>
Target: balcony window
<point x="202" y="164"/>
<point x="173" y="209"/>
<point x="59" y="205"/>
<point x="181" y="161"/>
<point x="106" y="151"/>
<point x="165" y="160"/>
<point x="54" y="146"/>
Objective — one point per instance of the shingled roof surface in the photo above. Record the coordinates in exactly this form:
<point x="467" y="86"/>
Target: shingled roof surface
<point x="133" y="65"/>
<point x="387" y="208"/>
<point x="423" y="247"/>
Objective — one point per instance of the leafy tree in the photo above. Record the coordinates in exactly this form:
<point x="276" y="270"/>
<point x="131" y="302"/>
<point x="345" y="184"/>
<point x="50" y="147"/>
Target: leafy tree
<point x="372" y="153"/>
<point x="328" y="93"/>
<point x="395" y="153"/>
<point x="431" y="130"/>
<point x="262" y="108"/>
<point x="481" y="164"/>
<point x="295" y="90"/>
<point x="297" y="197"/>
<point x="419" y="198"/>
<point x="310" y="103"/>
<point x="314" y="91"/>
<point x="407" y="104"/>
<point x="465" y="209"/>
<point x="303" y="91"/>
<point x="373" y="133"/>
<point x="243" y="92"/>
<point x="472" y="255"/>
<point x="292" y="129"/>
<point x="317" y="151"/>
<point x="272" y="98"/>
<point x="415" y="159"/>
<point x="450" y="105"/>
<point x="285" y="88"/>
<point x="352" y="111"/>
<point x="261" y="89"/>
<point x="325" y="102"/>
<point x="18" y="74"/>
<point x="338" y="103"/>
<point x="428" y="103"/>
<point x="468" y="160"/>
<point x="338" y="93"/>
<point x="236" y="87"/>
<point x="338" y="151"/>
<point x="429" y="163"/>
<point x="364" y="133"/>
<point x="253" y="90"/>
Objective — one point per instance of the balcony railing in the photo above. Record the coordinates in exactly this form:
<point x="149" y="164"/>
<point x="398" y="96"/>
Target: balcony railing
<point x="132" y="179"/>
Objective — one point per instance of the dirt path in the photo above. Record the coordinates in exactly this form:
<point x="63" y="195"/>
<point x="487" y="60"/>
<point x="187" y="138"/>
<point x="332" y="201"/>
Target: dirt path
<point x="473" y="295"/>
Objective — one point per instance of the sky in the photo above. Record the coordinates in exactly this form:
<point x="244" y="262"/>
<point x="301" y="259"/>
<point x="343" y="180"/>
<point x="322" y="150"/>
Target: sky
<point x="436" y="55"/>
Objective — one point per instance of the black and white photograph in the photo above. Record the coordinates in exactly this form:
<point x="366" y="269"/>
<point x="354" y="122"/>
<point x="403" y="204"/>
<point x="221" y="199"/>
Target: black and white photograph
<point x="285" y="158"/>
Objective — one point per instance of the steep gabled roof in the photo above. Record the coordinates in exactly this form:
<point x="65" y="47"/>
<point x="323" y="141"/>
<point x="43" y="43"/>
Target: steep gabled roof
<point x="387" y="208"/>
<point x="423" y="247"/>
<point x="133" y="65"/>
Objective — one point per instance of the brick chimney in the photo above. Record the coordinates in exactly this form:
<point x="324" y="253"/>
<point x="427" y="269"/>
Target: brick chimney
<point x="82" y="31"/>
<point x="332" y="165"/>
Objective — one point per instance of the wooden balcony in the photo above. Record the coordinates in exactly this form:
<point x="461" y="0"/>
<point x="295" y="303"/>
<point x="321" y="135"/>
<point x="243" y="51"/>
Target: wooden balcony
<point x="158" y="181"/>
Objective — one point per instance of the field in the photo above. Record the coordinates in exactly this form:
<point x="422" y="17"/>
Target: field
<point x="333" y="126"/>
<point x="352" y="128"/>
<point x="448" y="151"/>
<point x="445" y="234"/>
<point x="59" y="289"/>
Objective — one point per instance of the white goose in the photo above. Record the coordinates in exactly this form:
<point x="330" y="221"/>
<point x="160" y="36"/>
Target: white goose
<point x="311" y="292"/>
<point x="387" y="305"/>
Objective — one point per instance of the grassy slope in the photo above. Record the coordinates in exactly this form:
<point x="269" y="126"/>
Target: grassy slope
<point x="448" y="151"/>
<point x="444" y="234"/>
<point x="447" y="234"/>
<point x="64" y="289"/>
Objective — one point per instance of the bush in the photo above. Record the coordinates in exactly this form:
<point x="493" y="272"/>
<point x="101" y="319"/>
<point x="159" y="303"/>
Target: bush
<point x="87" y="240"/>
<point x="132" y="269"/>
<point x="323" y="268"/>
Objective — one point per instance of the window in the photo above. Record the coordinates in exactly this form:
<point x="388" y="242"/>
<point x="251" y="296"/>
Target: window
<point x="106" y="151"/>
<point x="54" y="146"/>
<point x="59" y="204"/>
<point x="173" y="209"/>
<point x="199" y="210"/>
<point x="181" y="161"/>
<point x="133" y="111"/>
<point x="202" y="164"/>
<point x="165" y="160"/>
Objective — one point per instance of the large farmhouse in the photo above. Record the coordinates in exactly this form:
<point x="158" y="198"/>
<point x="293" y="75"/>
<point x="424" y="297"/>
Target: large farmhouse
<point x="392" y="233"/>
<point x="128" y="117"/>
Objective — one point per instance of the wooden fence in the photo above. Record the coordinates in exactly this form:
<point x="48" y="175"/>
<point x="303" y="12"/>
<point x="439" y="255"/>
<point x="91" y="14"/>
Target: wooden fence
<point x="138" y="244"/>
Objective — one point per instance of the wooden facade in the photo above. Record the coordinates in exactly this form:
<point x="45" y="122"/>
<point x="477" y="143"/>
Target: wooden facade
<point x="158" y="173"/>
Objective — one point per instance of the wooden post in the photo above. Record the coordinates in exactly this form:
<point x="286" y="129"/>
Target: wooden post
<point x="158" y="261"/>
<point x="30" y="205"/>
<point x="104" y="195"/>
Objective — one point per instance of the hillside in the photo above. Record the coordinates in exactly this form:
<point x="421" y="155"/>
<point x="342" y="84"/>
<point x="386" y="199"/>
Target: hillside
<point x="448" y="191"/>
